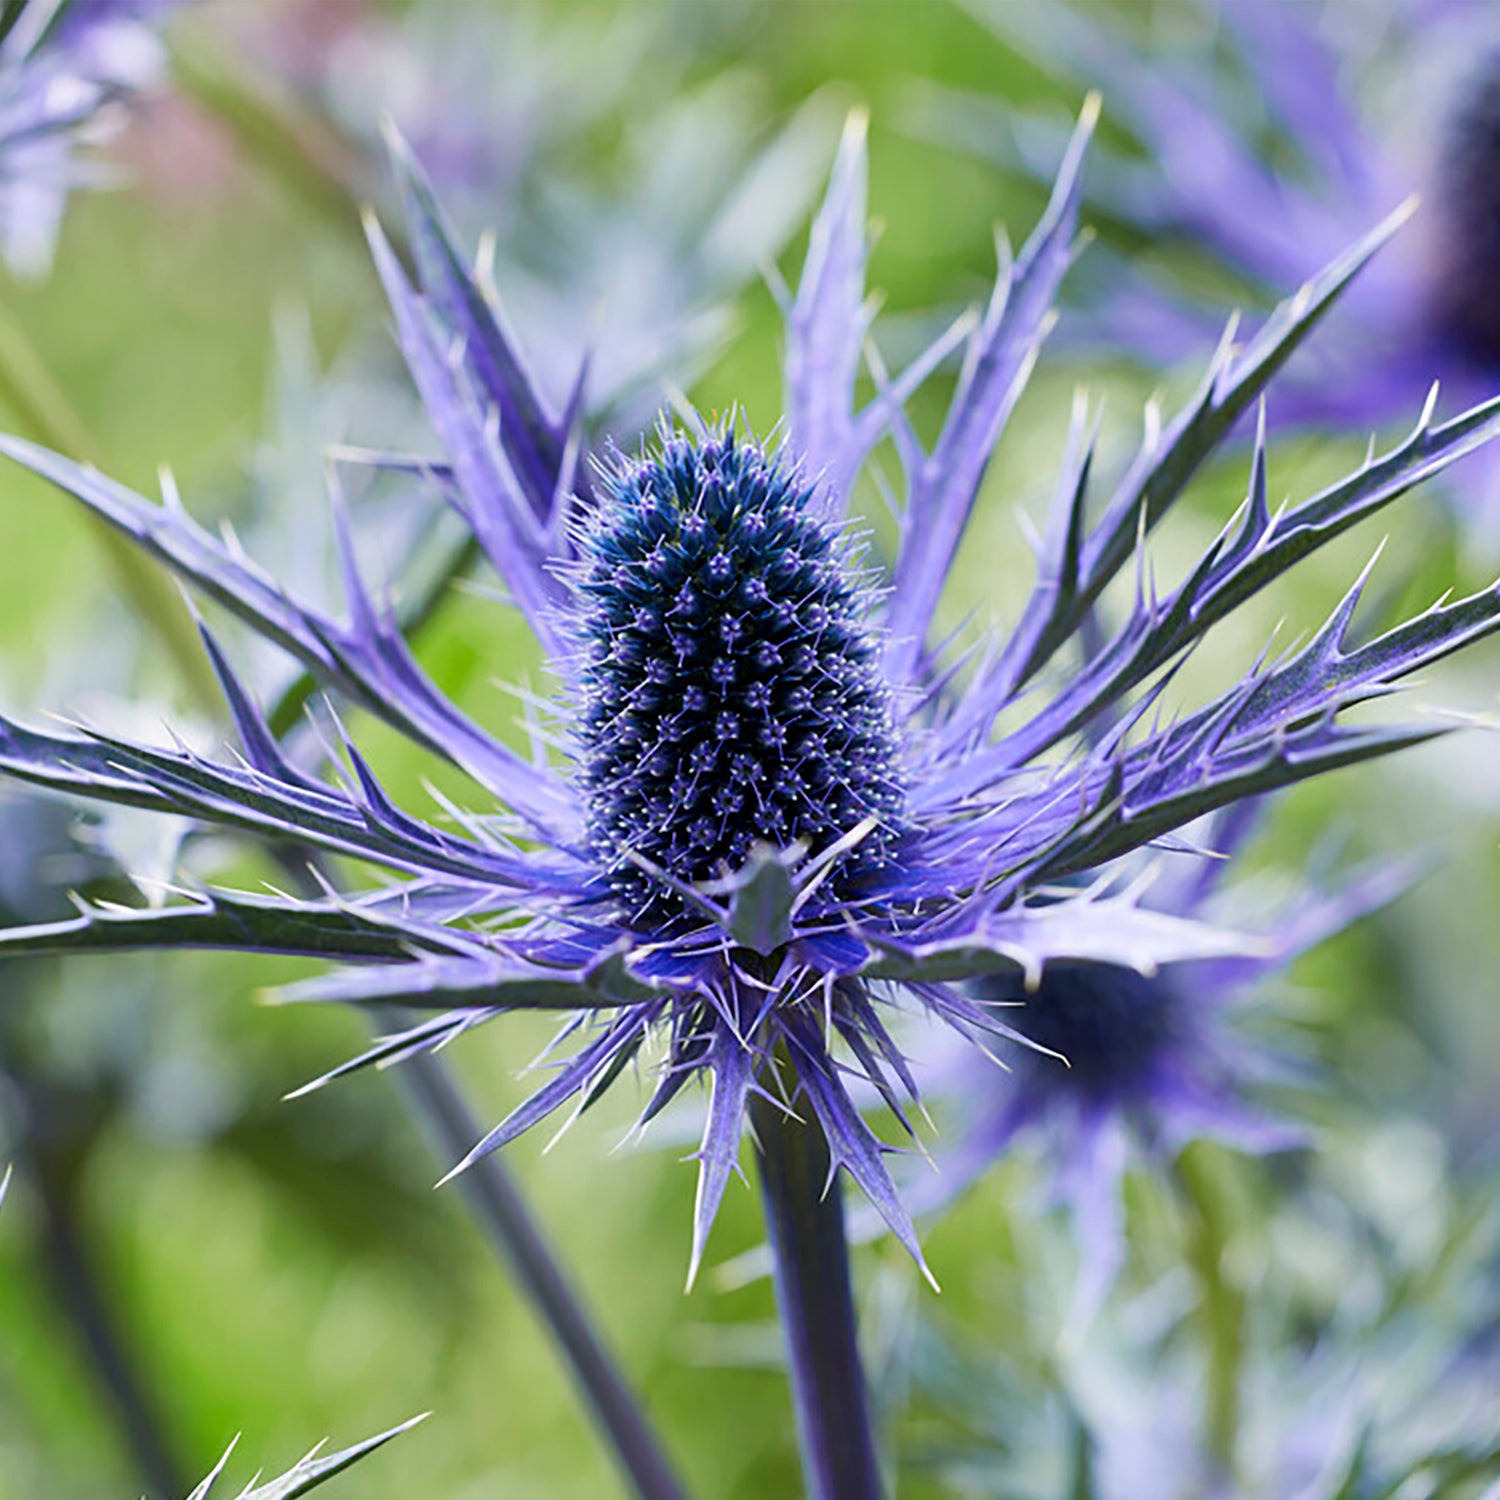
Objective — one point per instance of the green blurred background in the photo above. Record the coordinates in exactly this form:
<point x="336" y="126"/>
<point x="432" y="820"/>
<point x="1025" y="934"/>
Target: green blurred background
<point x="286" y="1269"/>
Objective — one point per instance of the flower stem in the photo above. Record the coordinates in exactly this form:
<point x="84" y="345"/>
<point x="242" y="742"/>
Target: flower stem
<point x="1222" y="1307"/>
<point x="810" y="1254"/>
<point x="501" y="1212"/>
<point x="83" y="1297"/>
<point x="37" y="401"/>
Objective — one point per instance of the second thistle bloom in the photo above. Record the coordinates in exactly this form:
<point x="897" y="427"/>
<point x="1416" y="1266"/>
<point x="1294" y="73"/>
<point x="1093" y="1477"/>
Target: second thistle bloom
<point x="1127" y="1067"/>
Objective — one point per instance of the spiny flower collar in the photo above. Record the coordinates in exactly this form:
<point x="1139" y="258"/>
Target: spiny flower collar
<point x="754" y="871"/>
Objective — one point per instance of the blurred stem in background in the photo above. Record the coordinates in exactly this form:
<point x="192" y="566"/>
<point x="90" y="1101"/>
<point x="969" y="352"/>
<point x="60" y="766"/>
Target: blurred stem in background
<point x="810" y="1254"/>
<point x="1221" y="1304"/>
<point x="28" y="388"/>
<point x="501" y="1213"/>
<point x="436" y="1102"/>
<point x="58" y="1132"/>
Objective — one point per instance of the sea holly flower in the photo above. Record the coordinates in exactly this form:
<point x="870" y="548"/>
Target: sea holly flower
<point x="1127" y="1067"/>
<point x="784" y="806"/>
<point x="1356" y="136"/>
<point x="64" y="64"/>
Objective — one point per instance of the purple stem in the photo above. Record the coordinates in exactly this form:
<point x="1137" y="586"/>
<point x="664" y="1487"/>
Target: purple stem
<point x="83" y="1295"/>
<point x="810" y="1255"/>
<point x="502" y="1214"/>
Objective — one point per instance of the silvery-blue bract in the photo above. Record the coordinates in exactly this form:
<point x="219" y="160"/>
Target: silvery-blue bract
<point x="302" y="1478"/>
<point x="780" y="806"/>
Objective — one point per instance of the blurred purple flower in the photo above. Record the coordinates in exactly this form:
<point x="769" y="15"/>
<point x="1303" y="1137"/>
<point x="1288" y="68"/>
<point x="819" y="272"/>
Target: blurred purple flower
<point x="785" y="805"/>
<point x="1124" y="1063"/>
<point x="64" y="65"/>
<point x="1321" y="119"/>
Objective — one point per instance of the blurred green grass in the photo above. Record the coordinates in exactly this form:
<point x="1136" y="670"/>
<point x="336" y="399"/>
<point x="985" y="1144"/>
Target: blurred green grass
<point x="292" y="1315"/>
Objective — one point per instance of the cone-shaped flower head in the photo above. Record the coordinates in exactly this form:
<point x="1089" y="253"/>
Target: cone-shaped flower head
<point x="782" y="806"/>
<point x="731" y="688"/>
<point x="1355" y="137"/>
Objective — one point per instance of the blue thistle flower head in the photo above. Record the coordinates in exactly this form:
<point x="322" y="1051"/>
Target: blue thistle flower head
<point x="731" y="691"/>
<point x="1351" y="148"/>
<point x="790" y="807"/>
<point x="1110" y="1027"/>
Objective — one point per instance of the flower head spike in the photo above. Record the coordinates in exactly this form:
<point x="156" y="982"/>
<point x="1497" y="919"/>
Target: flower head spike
<point x="731" y="693"/>
<point x="1363" y="137"/>
<point x="786" y="810"/>
<point x="63" y="64"/>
